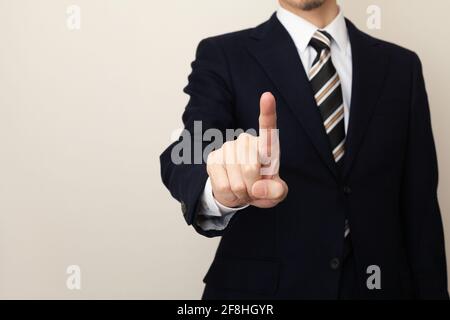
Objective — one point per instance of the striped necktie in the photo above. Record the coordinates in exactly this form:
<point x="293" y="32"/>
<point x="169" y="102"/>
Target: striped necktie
<point x="327" y="91"/>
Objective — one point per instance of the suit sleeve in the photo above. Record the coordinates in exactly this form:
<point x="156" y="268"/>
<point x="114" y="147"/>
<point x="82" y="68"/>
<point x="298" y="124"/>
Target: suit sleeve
<point x="210" y="107"/>
<point x="424" y="230"/>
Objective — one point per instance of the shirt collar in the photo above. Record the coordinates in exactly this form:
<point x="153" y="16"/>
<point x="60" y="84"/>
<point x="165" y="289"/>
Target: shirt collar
<point x="301" y="30"/>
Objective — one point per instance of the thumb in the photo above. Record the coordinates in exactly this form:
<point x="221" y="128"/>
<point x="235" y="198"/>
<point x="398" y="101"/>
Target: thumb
<point x="270" y="189"/>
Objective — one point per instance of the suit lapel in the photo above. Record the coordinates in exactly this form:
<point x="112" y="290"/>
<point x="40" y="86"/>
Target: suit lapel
<point x="275" y="51"/>
<point x="369" y="72"/>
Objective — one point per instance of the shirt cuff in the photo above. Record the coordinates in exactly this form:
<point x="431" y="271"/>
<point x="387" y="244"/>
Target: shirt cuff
<point x="211" y="214"/>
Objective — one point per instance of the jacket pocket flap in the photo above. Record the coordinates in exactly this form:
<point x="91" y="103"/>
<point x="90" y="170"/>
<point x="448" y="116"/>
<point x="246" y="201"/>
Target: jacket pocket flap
<point x="258" y="276"/>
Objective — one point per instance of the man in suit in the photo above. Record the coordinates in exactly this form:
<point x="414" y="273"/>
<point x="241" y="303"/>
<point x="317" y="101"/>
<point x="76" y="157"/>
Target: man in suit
<point x="350" y="209"/>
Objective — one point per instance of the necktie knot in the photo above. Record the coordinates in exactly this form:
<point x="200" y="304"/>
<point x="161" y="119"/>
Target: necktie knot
<point x="320" y="41"/>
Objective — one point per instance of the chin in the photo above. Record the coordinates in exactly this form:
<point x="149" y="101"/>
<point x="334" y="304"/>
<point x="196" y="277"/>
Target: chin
<point x="305" y="5"/>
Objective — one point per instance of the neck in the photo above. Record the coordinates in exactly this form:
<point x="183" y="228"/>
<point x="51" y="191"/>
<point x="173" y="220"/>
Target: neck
<point x="320" y="17"/>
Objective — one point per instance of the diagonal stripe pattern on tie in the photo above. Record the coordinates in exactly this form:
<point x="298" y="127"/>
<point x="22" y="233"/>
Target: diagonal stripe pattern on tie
<point x="327" y="91"/>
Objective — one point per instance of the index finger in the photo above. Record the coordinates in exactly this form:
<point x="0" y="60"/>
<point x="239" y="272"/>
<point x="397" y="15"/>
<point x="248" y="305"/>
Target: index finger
<point x="267" y="112"/>
<point x="269" y="150"/>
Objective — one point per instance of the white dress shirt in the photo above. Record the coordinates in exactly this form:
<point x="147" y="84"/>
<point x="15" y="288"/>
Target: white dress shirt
<point x="211" y="214"/>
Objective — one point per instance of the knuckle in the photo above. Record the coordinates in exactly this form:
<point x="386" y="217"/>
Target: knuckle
<point x="222" y="188"/>
<point x="250" y="169"/>
<point x="239" y="188"/>
<point x="214" y="158"/>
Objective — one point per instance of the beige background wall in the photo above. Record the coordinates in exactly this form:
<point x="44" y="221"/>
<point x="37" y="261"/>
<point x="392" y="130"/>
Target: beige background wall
<point x="85" y="114"/>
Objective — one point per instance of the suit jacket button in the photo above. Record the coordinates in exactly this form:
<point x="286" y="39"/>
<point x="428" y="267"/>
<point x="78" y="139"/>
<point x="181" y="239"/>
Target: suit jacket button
<point x="183" y="208"/>
<point x="347" y="190"/>
<point x="334" y="263"/>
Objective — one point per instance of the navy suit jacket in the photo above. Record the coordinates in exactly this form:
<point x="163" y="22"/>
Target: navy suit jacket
<point x="387" y="186"/>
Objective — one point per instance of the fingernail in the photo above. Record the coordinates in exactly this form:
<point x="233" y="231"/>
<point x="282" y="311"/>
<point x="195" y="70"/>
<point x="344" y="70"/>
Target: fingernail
<point x="260" y="190"/>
